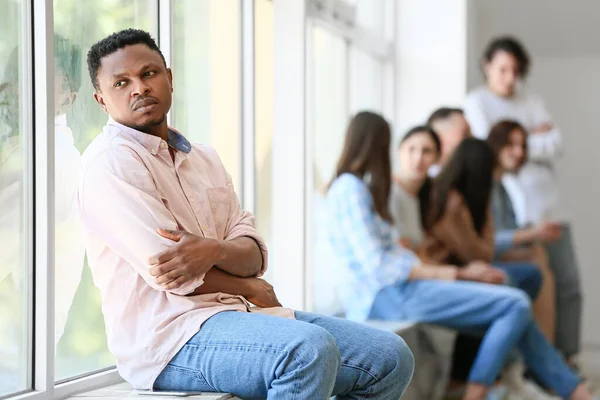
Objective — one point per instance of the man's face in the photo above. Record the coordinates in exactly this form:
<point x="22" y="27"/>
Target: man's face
<point x="135" y="87"/>
<point x="452" y="132"/>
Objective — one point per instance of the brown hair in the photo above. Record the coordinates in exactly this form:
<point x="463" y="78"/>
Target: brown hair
<point x="499" y="137"/>
<point x="511" y="46"/>
<point x="366" y="154"/>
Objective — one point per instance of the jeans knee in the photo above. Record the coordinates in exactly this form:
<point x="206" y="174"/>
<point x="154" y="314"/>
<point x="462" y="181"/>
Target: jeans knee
<point x="520" y="304"/>
<point x="318" y="348"/>
<point x="399" y="361"/>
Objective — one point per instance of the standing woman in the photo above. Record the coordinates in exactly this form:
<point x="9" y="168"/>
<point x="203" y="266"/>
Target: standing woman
<point x="534" y="189"/>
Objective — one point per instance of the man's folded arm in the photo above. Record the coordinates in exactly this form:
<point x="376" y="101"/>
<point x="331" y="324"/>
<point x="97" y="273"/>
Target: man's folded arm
<point x="120" y="205"/>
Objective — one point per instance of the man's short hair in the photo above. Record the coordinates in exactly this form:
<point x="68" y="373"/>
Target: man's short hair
<point x="442" y="114"/>
<point x="114" y="42"/>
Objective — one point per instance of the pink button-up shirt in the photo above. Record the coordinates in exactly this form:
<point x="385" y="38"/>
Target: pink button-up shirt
<point x="130" y="187"/>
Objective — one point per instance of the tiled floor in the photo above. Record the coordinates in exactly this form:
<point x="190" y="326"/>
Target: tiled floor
<point x="124" y="391"/>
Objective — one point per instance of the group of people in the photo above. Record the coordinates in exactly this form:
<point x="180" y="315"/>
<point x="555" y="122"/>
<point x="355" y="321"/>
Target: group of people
<point x="178" y="262"/>
<point x="462" y="235"/>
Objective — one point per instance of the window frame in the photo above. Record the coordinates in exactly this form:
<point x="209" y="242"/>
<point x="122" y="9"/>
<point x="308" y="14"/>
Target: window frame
<point x="37" y="38"/>
<point x="339" y="18"/>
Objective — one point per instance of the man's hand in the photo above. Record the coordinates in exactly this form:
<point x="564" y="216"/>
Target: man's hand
<point x="542" y="128"/>
<point x="478" y="271"/>
<point x="185" y="261"/>
<point x="261" y="293"/>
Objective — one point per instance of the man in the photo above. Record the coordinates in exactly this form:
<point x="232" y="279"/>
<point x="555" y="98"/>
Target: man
<point x="452" y="127"/>
<point x="176" y="261"/>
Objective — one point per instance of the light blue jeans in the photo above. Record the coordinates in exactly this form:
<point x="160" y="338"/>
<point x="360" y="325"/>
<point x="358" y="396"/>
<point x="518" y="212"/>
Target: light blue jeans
<point x="256" y="356"/>
<point x="501" y="314"/>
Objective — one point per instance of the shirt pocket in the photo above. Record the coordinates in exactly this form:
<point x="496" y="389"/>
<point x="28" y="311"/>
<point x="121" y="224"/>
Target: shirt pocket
<point x="219" y="199"/>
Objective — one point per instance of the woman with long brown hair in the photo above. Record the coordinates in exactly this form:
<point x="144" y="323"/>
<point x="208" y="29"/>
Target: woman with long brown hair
<point x="379" y="279"/>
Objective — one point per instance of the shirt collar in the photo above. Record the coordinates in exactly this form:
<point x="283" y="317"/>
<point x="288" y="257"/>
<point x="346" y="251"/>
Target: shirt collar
<point x="151" y="142"/>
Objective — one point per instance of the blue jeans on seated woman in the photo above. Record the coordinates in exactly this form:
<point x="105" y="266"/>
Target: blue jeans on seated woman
<point x="257" y="356"/>
<point x="524" y="276"/>
<point x="502" y="312"/>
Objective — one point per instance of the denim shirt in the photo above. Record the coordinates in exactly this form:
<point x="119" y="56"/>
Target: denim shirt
<point x="505" y="221"/>
<point x="362" y="247"/>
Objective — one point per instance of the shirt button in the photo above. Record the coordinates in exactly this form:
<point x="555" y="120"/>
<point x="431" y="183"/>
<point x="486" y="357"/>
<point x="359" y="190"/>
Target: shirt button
<point x="192" y="199"/>
<point x="153" y="151"/>
<point x="163" y="145"/>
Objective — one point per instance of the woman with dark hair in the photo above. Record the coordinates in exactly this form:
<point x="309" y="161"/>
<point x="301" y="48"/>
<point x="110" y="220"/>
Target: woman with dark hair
<point x="533" y="188"/>
<point x="379" y="279"/>
<point x="508" y="141"/>
<point x="418" y="150"/>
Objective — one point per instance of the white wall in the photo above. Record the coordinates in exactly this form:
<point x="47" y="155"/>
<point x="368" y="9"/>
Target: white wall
<point x="431" y="52"/>
<point x="563" y="41"/>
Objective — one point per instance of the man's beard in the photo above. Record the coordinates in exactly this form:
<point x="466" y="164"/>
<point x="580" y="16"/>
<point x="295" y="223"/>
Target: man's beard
<point x="149" y="126"/>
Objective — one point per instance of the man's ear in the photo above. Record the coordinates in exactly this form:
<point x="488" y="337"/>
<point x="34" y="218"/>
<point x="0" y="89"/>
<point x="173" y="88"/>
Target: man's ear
<point x="170" y="75"/>
<point x="100" y="100"/>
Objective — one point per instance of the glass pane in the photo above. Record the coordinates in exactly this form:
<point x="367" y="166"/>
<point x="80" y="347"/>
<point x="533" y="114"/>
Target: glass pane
<point x="329" y="115"/>
<point x="14" y="211"/>
<point x="263" y="53"/>
<point x="206" y="75"/>
<point x="365" y="82"/>
<point x="80" y="333"/>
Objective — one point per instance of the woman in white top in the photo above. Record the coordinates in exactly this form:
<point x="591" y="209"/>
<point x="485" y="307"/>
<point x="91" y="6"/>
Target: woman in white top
<point x="534" y="189"/>
<point x="419" y="149"/>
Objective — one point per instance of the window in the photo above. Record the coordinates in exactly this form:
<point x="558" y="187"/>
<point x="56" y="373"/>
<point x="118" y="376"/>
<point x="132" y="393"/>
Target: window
<point x="263" y="84"/>
<point x="328" y="117"/>
<point x="206" y="74"/>
<point x="15" y="206"/>
<point x="349" y="65"/>
<point x="79" y="324"/>
<point x="365" y="82"/>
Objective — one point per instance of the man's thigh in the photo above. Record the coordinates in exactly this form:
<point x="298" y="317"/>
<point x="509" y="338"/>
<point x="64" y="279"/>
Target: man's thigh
<point x="367" y="354"/>
<point x="236" y="352"/>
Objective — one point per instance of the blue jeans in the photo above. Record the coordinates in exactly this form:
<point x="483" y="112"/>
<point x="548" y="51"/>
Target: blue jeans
<point x="256" y="356"/>
<point x="503" y="313"/>
<point x="524" y="276"/>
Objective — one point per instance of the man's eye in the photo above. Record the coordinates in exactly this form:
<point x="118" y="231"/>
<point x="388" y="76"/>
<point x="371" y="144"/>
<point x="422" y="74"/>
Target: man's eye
<point x="119" y="83"/>
<point x="149" y="73"/>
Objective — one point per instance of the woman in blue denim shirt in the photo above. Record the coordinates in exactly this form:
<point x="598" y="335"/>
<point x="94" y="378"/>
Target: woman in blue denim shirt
<point x="508" y="139"/>
<point x="380" y="279"/>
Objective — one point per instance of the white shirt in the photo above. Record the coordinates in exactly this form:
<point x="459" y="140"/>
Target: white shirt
<point x="131" y="185"/>
<point x="534" y="191"/>
<point x="406" y="212"/>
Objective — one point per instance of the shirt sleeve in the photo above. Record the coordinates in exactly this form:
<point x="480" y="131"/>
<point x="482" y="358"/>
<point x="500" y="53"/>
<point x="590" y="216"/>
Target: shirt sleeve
<point x="120" y="205"/>
<point x="241" y="223"/>
<point x="475" y="115"/>
<point x="378" y="260"/>
<point x="504" y="240"/>
<point x="546" y="146"/>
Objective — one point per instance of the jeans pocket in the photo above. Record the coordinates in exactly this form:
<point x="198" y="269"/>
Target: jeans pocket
<point x="183" y="380"/>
